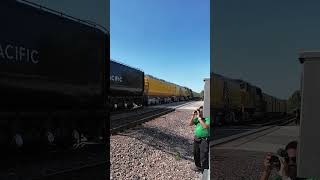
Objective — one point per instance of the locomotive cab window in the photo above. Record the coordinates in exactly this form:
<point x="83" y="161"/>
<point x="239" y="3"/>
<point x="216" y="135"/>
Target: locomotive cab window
<point x="242" y="86"/>
<point x="247" y="87"/>
<point x="258" y="91"/>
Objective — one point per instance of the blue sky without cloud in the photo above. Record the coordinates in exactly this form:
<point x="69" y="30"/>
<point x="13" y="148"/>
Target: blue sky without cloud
<point x="169" y="39"/>
<point x="259" y="41"/>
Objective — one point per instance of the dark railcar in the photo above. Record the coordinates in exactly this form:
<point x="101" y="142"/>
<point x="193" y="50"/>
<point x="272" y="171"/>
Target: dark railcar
<point x="47" y="60"/>
<point x="50" y="63"/>
<point x="126" y="86"/>
<point x="125" y="81"/>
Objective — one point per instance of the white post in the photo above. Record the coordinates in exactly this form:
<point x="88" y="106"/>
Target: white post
<point x="206" y="106"/>
<point x="309" y="147"/>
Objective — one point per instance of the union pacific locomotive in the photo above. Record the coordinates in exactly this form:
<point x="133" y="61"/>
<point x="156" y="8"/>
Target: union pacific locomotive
<point x="52" y="77"/>
<point x="130" y="87"/>
<point x="235" y="101"/>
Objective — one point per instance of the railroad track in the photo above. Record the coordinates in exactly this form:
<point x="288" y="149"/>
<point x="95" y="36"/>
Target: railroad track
<point x="125" y="122"/>
<point x="112" y="113"/>
<point x="277" y="121"/>
<point x="79" y="172"/>
<point x="141" y="108"/>
<point x="59" y="165"/>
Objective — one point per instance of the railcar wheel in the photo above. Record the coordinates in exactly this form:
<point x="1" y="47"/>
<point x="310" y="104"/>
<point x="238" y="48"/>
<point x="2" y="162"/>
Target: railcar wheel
<point x="18" y="140"/>
<point x="50" y="137"/>
<point x="233" y="117"/>
<point x="76" y="136"/>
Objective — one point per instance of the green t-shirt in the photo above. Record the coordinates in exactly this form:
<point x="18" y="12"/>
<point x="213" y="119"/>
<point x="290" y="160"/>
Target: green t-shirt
<point x="279" y="178"/>
<point x="199" y="131"/>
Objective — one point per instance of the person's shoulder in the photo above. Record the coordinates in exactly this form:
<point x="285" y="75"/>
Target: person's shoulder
<point x="207" y="120"/>
<point x="277" y="178"/>
<point x="195" y="119"/>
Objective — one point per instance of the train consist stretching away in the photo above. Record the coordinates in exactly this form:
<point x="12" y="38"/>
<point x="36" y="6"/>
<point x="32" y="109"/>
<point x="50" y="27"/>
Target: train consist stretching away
<point x="130" y="87"/>
<point x="52" y="76"/>
<point x="234" y="101"/>
<point x="196" y="96"/>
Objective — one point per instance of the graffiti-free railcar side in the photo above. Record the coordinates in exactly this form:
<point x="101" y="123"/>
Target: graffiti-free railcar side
<point x="126" y="86"/>
<point x="158" y="91"/>
<point x="52" y="76"/>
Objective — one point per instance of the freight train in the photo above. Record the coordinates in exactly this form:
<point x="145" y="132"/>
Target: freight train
<point x="130" y="87"/>
<point x="237" y="101"/>
<point x="158" y="91"/>
<point x="52" y="77"/>
<point x="196" y="95"/>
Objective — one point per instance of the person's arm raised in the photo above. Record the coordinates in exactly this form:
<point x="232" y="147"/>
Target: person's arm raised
<point x="203" y="124"/>
<point x="266" y="167"/>
<point x="191" y="120"/>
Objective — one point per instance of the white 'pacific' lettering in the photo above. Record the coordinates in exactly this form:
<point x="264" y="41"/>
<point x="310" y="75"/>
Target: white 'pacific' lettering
<point x="17" y="54"/>
<point x="116" y="78"/>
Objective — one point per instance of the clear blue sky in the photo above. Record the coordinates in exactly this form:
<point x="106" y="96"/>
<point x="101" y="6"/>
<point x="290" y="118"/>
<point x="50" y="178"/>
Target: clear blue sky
<point x="93" y="10"/>
<point x="169" y="39"/>
<point x="259" y="41"/>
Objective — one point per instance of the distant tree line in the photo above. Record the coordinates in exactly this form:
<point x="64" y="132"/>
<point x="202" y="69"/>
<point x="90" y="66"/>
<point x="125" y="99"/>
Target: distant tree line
<point x="294" y="102"/>
<point x="202" y="94"/>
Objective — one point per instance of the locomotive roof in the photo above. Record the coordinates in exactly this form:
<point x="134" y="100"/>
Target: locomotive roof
<point x="228" y="78"/>
<point x="236" y="80"/>
<point x="166" y="81"/>
<point x="126" y="65"/>
<point x="160" y="79"/>
<point x="265" y="94"/>
<point x="64" y="15"/>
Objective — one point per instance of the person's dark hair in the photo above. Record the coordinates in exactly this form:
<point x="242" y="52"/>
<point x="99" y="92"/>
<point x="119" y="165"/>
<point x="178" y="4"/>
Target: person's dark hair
<point x="292" y="145"/>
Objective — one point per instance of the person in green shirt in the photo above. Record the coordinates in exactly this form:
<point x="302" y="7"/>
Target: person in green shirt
<point x="201" y="142"/>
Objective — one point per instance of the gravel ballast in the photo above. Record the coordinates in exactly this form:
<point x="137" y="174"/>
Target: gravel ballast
<point x="158" y="149"/>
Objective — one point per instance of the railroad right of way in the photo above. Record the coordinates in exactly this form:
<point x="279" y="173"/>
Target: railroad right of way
<point x="120" y="122"/>
<point x="157" y="149"/>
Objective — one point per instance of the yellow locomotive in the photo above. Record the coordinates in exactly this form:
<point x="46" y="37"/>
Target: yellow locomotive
<point x="236" y="100"/>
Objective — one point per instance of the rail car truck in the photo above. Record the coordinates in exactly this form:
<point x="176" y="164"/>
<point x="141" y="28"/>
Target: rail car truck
<point x="308" y="147"/>
<point x="52" y="76"/>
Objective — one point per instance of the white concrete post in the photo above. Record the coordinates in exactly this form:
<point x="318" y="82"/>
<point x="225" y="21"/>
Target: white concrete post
<point x="309" y="147"/>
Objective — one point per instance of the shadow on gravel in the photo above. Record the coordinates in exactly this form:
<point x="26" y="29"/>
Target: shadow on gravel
<point x="165" y="141"/>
